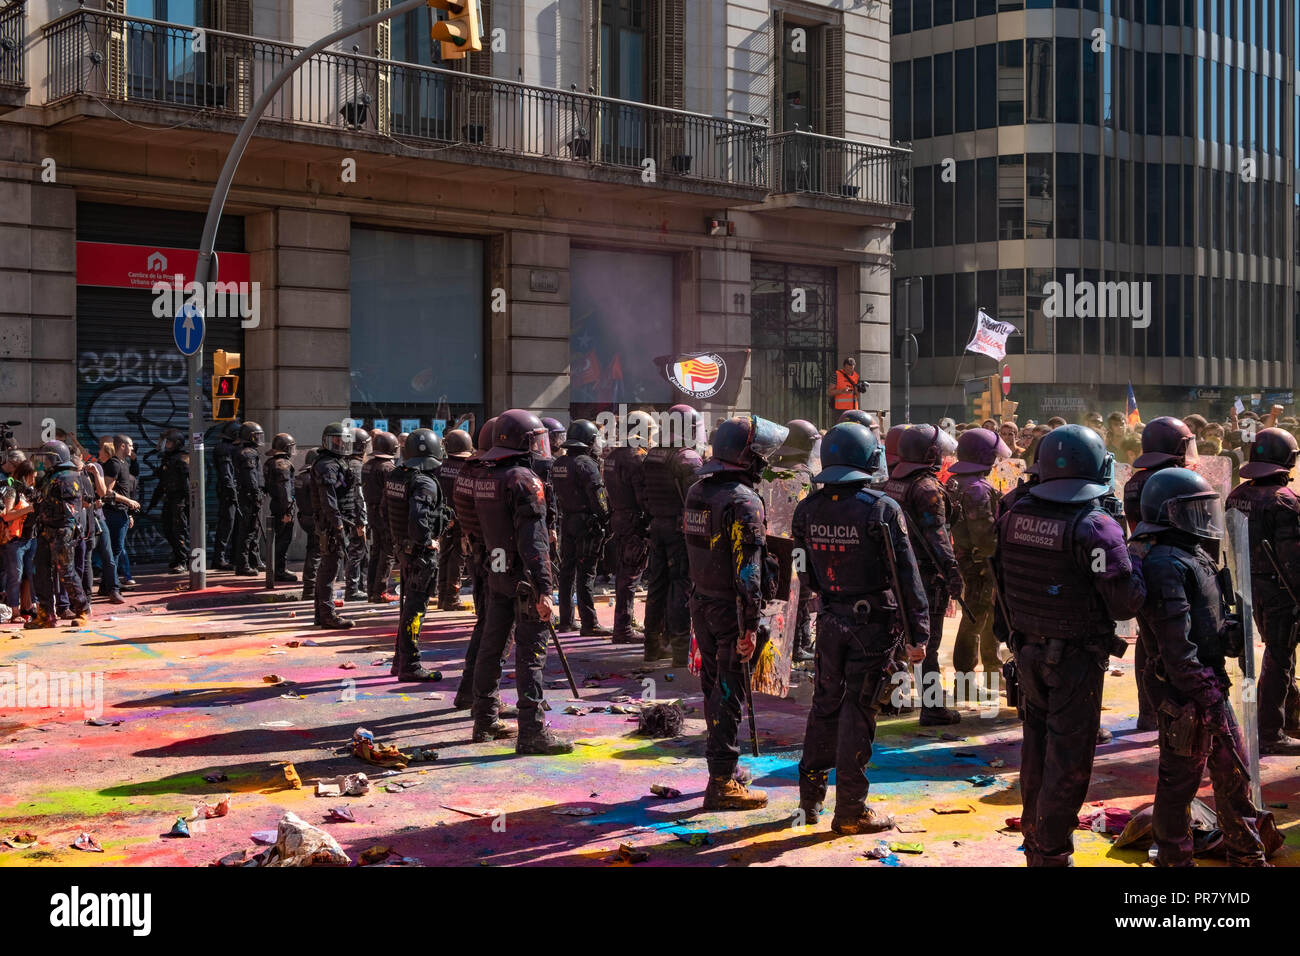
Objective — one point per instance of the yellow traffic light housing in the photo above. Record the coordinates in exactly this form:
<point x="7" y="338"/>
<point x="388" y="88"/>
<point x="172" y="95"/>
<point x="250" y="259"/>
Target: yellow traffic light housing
<point x="461" y="32"/>
<point x="225" y="386"/>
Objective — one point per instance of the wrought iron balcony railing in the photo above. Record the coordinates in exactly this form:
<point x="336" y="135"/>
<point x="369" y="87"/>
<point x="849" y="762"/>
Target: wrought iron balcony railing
<point x="804" y="162"/>
<point x="12" y="22"/>
<point x="131" y="59"/>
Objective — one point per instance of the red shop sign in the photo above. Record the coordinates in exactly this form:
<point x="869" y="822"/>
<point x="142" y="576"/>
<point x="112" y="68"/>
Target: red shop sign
<point x="139" y="267"/>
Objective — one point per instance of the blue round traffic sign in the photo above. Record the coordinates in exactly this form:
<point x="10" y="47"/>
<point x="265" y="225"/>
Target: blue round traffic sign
<point x="187" y="330"/>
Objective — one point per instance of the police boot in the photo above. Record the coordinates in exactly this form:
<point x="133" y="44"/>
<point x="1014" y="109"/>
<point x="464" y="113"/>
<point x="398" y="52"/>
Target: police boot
<point x="544" y="742"/>
<point x="1279" y="745"/>
<point x="497" y="730"/>
<point x="244" y="571"/>
<point x="464" y="698"/>
<point x="331" y="620"/>
<point x="681" y="650"/>
<point x="286" y="577"/>
<point x="656" y="649"/>
<point x="867" y="820"/>
<point x="802" y="653"/>
<point x="416" y="671"/>
<point x="356" y="594"/>
<point x="728" y="793"/>
<point x="628" y="636"/>
<point x="309" y="594"/>
<point x="939" y="716"/>
<point x="41" y="619"/>
<point x="594" y="630"/>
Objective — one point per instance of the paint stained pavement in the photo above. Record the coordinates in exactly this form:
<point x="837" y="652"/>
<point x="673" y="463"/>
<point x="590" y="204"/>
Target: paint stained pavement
<point x="187" y="695"/>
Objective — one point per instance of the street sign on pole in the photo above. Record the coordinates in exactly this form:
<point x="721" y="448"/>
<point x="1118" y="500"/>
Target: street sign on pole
<point x="1006" y="380"/>
<point x="187" y="329"/>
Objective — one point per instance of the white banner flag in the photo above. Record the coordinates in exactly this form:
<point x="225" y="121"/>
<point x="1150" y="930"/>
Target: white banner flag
<point x="990" y="337"/>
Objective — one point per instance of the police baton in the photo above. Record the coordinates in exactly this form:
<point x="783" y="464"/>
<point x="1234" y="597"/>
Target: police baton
<point x="929" y="553"/>
<point x="1277" y="568"/>
<point x="564" y="661"/>
<point x="749" y="704"/>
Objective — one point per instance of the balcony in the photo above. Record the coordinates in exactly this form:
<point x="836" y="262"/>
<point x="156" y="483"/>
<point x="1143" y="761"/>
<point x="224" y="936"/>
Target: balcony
<point x="105" y="66"/>
<point x="13" y="24"/>
<point x="825" y="177"/>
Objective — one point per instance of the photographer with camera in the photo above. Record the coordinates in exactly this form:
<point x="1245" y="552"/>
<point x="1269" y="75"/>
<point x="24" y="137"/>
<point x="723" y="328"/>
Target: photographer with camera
<point x="848" y="386"/>
<point x="17" y="534"/>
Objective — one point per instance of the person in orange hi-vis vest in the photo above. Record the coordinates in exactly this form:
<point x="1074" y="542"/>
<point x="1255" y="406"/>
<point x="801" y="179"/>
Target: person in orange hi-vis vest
<point x="847" y="387"/>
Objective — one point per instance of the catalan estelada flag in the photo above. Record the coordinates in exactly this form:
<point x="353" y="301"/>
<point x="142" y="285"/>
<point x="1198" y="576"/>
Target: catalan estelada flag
<point x="1131" y="415"/>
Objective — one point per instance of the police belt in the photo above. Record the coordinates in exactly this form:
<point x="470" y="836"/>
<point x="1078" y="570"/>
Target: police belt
<point x="857" y="606"/>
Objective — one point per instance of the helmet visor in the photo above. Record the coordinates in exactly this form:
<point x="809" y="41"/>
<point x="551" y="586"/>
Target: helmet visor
<point x="767" y="437"/>
<point x="1201" y="515"/>
<point x="945" y="443"/>
<point x="1190" y="454"/>
<point x="540" y="444"/>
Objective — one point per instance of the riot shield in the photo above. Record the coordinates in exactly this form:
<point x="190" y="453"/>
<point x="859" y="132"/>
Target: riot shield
<point x="1242" y="670"/>
<point x="772" y="657"/>
<point x="781" y="490"/>
<point x="1006" y="474"/>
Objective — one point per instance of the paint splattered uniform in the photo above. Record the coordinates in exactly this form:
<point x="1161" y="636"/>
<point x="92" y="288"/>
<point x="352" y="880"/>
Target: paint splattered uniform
<point x="413" y="513"/>
<point x="374" y="478"/>
<point x="328" y="476"/>
<point x="584" y="515"/>
<point x="623" y="473"/>
<point x="59" y="515"/>
<point x="352" y="503"/>
<point x="666" y="476"/>
<point x="302" y="495"/>
<point x="278" y="473"/>
<point x="974" y="541"/>
<point x="249" y="480"/>
<point x="451" y="562"/>
<point x="467" y="514"/>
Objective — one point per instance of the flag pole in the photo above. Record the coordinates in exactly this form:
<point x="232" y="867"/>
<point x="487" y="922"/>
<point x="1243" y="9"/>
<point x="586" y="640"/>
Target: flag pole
<point x="975" y="324"/>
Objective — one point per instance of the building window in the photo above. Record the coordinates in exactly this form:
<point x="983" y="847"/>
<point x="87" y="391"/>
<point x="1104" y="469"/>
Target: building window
<point x="1039" y="196"/>
<point x="1172" y="203"/>
<point x="986" y="85"/>
<point x="1090" y="189"/>
<point x="794" y="352"/>
<point x="923" y="208"/>
<point x="922" y="94"/>
<point x="943" y="208"/>
<point x="964" y="89"/>
<point x="1090" y="81"/>
<point x="902" y="82"/>
<point x="966" y="193"/>
<point x="943" y="94"/>
<point x="1067" y="195"/>
<point x="1011" y="83"/>
<point x="1067" y="80"/>
<point x="1011" y="197"/>
<point x="987" y="199"/>
<point x="1038" y="81"/>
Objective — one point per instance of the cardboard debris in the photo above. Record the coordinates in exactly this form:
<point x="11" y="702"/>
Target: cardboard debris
<point x="948" y="808"/>
<point x="291" y="777"/>
<point x="101" y="722"/>
<point x="347" y="666"/>
<point x="298" y="843"/>
<point x="23" y="840"/>
<point x="352" y="785"/>
<point x="273" y="679"/>
<point x="375" y="854"/>
<point x="473" y="811"/>
<point x="365" y="747"/>
<point x="88" y="843"/>
<point x="340" y="815"/>
<point x="206" y="811"/>
<point x="627" y="853"/>
<point x="668" y="793"/>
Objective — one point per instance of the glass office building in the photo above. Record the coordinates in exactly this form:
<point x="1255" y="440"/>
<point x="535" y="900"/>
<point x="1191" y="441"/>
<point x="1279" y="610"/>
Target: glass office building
<point x="1089" y="143"/>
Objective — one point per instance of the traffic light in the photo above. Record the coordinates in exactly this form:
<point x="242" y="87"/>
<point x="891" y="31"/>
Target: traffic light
<point x="225" y="386"/>
<point x="983" y="407"/>
<point x="461" y="32"/>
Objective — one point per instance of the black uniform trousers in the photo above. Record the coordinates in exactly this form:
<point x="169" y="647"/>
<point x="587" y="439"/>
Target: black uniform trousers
<point x="851" y="661"/>
<point x="580" y="547"/>
<point x="310" y="562"/>
<point x="419" y="571"/>
<point x="630" y="560"/>
<point x="478" y="581"/>
<point x="722" y="679"/>
<point x="248" y="533"/>
<point x="503" y="614"/>
<point x="666" y="602"/>
<point x="57" y="564"/>
<point x="975" y="642"/>
<point x="381" y="562"/>
<point x="281" y="537"/>
<point x="227" y="522"/>
<point x="450" y="565"/>
<point x="333" y="552"/>
<point x="355" y="562"/>
<point x="1275" y="616"/>
<point x="1062" y="704"/>
<point x="936" y="592"/>
<point x="1179" y="777"/>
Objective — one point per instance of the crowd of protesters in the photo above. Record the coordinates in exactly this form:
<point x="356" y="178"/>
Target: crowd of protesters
<point x="102" y="553"/>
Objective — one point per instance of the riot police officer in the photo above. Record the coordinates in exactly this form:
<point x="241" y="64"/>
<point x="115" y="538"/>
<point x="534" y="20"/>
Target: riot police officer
<point x="628" y="522"/>
<point x="466" y="509"/>
<point x="174" y="488"/>
<point x="914" y="484"/>
<point x="1189" y="635"/>
<point x="374" y="477"/>
<point x="278" y="474"/>
<point x="249" y="480"/>
<point x="667" y="473"/>
<point x="584" y="522"/>
<point x="303" y="498"/>
<point x="223" y="460"/>
<point x="974" y="540"/>
<point x="1273" y="512"/>
<point x="841" y="530"/>
<point x="1065" y="578"/>
<point x="458" y="446"/>
<point x="726" y="537"/>
<point x="1167" y="442"/>
<point x="557" y="435"/>
<point x="414" y="513"/>
<point x="859" y="417"/>
<point x="59" y="515"/>
<point x="892" y="438"/>
<point x="329" y="479"/>
<point x="792" y="461"/>
<point x="511" y="506"/>
<point x="353" y="505"/>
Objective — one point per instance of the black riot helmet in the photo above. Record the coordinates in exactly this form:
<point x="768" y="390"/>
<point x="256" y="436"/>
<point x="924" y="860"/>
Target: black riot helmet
<point x="283" y="443"/>
<point x="336" y="439"/>
<point x="518" y="432"/>
<point x="583" y="435"/>
<point x="850" y="452"/>
<point x="1180" y="498"/>
<point x="1073" y="466"/>
<point x="172" y="440"/>
<point x="311" y="457"/>
<point x="360" y="442"/>
<point x="682" y="428"/>
<point x="1166" y="440"/>
<point x="456" y="443"/>
<point x="799" y="443"/>
<point x="922" y="448"/>
<point x="745" y="443"/>
<point x="1273" y="452"/>
<point x="423" y="450"/>
<point x="860" y="417"/>
<point x="556" y="431"/>
<point x="54" y="454"/>
<point x="230" y="431"/>
<point x="385" y="444"/>
<point x="251" y="434"/>
<point x="485" y="435"/>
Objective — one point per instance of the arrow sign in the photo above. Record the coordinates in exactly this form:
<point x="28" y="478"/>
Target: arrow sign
<point x="1006" y="380"/>
<point x="187" y="330"/>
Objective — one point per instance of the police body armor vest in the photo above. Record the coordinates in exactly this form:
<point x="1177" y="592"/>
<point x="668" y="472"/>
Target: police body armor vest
<point x="902" y="491"/>
<point x="1271" y="513"/>
<point x="1046" y="592"/>
<point x="397" y="507"/>
<point x="331" y="469"/>
<point x="842" y="533"/>
<point x="350" y="500"/>
<point x="618" y="479"/>
<point x="708" y="538"/>
<point x="223" y="460"/>
<point x="374" y="475"/>
<point x="1133" y="495"/>
<point x="302" y="495"/>
<point x="446" y="476"/>
<point x="967" y="508"/>
<point x="492" y="502"/>
<point x="61" y="503"/>
<point x="175" y="479"/>
<point x="463" y="501"/>
<point x="567" y="480"/>
<point x="663" y="496"/>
